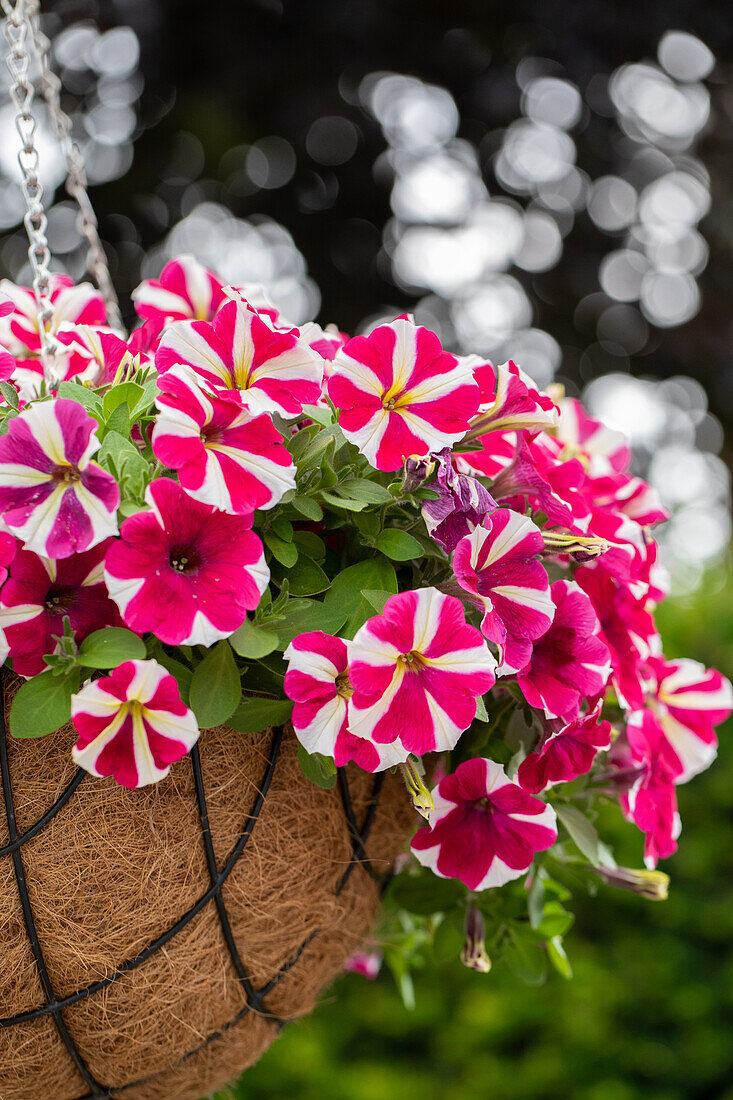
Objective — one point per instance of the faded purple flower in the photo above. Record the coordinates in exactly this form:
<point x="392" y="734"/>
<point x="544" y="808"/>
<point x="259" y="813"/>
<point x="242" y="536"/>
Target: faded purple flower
<point x="463" y="503"/>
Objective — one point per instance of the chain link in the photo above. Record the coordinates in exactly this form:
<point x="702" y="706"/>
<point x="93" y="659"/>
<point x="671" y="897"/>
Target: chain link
<point x="76" y="182"/>
<point x="21" y="92"/>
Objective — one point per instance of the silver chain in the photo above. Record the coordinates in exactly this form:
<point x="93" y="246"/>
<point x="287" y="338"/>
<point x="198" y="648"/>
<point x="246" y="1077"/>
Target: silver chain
<point x="21" y="93"/>
<point x="76" y="182"/>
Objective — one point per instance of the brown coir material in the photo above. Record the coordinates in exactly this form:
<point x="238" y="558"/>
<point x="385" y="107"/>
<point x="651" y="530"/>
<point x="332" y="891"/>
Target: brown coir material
<point x="154" y="1003"/>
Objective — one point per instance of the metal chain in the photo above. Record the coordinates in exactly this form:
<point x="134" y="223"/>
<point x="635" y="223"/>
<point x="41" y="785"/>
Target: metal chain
<point x="76" y="182"/>
<point x="21" y="92"/>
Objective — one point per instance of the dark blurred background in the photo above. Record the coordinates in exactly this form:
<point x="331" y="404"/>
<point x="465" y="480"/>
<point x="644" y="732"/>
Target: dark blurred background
<point x="542" y="180"/>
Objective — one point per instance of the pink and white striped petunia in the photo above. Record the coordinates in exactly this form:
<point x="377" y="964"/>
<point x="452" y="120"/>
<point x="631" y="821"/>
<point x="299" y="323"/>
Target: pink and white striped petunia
<point x="498" y="563"/>
<point x="569" y="663"/>
<point x="52" y="496"/>
<point x="132" y="724"/>
<point x="184" y="570"/>
<point x="417" y="671"/>
<point x="317" y="681"/>
<point x="186" y="290"/>
<point x="650" y="801"/>
<point x="566" y="753"/>
<point x="510" y="401"/>
<point x="400" y="395"/>
<point x="689" y="701"/>
<point x="96" y="354"/>
<point x="484" y="830"/>
<point x="604" y="450"/>
<point x="274" y="370"/>
<point x="40" y="592"/>
<point x="224" y="455"/>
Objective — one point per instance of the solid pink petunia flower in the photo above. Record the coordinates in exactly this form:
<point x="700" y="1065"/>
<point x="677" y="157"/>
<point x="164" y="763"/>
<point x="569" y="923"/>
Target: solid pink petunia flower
<point x="186" y="290"/>
<point x="224" y="455"/>
<point x="132" y="724"/>
<point x="566" y="753"/>
<point x="184" y="570"/>
<point x="400" y="395"/>
<point x="275" y="370"/>
<point x="417" y="671"/>
<point x="650" y="801"/>
<point x="317" y="681"/>
<point x="627" y="628"/>
<point x="498" y="564"/>
<point x="569" y="663"/>
<point x="688" y="701"/>
<point x="484" y="830"/>
<point x="52" y="496"/>
<point x="40" y="592"/>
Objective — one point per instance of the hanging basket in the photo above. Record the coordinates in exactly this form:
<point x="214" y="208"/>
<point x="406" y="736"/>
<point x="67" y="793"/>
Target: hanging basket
<point x="156" y="941"/>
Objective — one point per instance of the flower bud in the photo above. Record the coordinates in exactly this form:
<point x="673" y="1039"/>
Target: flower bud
<point x="473" y="952"/>
<point x="652" y="885"/>
<point x="421" y="797"/>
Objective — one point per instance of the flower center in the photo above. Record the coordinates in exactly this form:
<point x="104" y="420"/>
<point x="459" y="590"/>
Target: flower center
<point x="389" y="405"/>
<point x="66" y="473"/>
<point x="59" y="599"/>
<point x="185" y="559"/>
<point x="343" y="687"/>
<point x="413" y="661"/>
<point x="210" y="435"/>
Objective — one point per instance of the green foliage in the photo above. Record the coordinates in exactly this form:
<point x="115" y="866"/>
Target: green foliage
<point x="109" y="647"/>
<point x="215" y="689"/>
<point x="43" y="704"/>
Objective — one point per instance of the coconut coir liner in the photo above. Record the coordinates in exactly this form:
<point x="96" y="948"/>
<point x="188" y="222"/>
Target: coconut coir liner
<point x="113" y="870"/>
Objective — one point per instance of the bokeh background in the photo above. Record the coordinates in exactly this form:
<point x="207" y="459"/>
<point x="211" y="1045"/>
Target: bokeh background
<point x="541" y="180"/>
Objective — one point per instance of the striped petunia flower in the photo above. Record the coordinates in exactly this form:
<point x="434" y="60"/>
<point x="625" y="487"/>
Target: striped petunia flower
<point x="274" y="369"/>
<point x="186" y="290"/>
<point x="400" y="395"/>
<point x="510" y="401"/>
<point x="317" y="681"/>
<point x="132" y="724"/>
<point x="224" y="455"/>
<point x="417" y="671"/>
<point x="96" y="355"/>
<point x="52" y="496"/>
<point x="569" y="663"/>
<point x="484" y="829"/>
<point x="688" y="701"/>
<point x="497" y="563"/>
<point x="41" y="592"/>
<point x="184" y="570"/>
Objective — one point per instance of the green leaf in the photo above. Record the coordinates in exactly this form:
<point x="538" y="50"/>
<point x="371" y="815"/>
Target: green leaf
<point x="426" y="893"/>
<point x="10" y="394"/>
<point x="253" y="641"/>
<point x="324" y="417"/>
<point x="347" y="591"/>
<point x="128" y="393"/>
<point x="481" y="714"/>
<point x="180" y="672"/>
<point x="558" y="958"/>
<point x="91" y="401"/>
<point x="556" y="921"/>
<point x="398" y="545"/>
<point x="317" y="616"/>
<point x="284" y="552"/>
<point x="582" y="831"/>
<point x="536" y="901"/>
<point x="119" y="421"/>
<point x="344" y="502"/>
<point x="310" y="544"/>
<point x="283" y="528"/>
<point x="253" y="715"/>
<point x="308" y="507"/>
<point x="305" y="578"/>
<point x="319" y="769"/>
<point x="109" y="647"/>
<point x="42" y="704"/>
<point x="525" y="958"/>
<point x="215" y="687"/>
<point x="376" y="598"/>
<point x="359" y="488"/>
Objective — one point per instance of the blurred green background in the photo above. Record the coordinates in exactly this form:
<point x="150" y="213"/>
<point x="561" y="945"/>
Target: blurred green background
<point x="649" y="1012"/>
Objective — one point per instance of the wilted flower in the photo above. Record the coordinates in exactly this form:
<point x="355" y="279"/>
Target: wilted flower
<point x="463" y="502"/>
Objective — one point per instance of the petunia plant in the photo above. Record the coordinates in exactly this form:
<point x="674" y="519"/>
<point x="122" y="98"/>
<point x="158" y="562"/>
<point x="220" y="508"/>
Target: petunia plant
<point x="417" y="561"/>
